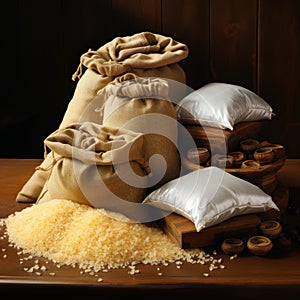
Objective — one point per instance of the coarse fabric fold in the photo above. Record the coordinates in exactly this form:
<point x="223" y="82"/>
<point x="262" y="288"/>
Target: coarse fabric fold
<point x="88" y="160"/>
<point x="144" y="54"/>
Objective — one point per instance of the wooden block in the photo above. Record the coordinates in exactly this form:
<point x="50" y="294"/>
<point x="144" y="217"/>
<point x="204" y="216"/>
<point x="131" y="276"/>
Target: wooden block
<point x="183" y="232"/>
<point x="213" y="138"/>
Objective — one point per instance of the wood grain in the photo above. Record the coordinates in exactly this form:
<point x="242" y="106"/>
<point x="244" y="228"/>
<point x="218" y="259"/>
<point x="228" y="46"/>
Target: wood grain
<point x="188" y="21"/>
<point x="276" y="276"/>
<point x="251" y="43"/>
<point x="233" y="42"/>
<point x="184" y="233"/>
<point x="279" y="63"/>
<point x="134" y="16"/>
<point x="222" y="141"/>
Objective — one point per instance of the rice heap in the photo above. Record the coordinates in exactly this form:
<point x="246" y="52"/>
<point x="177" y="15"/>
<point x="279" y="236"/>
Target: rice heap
<point x="71" y="233"/>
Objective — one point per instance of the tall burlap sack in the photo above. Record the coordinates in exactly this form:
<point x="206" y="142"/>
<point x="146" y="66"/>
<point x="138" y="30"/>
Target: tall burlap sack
<point x="91" y="162"/>
<point x="145" y="54"/>
<point x="143" y="105"/>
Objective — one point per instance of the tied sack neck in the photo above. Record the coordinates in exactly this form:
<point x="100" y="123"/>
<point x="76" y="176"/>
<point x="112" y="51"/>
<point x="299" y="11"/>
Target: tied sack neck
<point x="123" y="54"/>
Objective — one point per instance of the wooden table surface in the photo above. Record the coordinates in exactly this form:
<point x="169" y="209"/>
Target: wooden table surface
<point x="276" y="276"/>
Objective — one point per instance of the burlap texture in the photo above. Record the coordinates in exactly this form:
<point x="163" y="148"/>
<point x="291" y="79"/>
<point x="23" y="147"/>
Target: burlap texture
<point x="143" y="105"/>
<point x="87" y="158"/>
<point x="145" y="54"/>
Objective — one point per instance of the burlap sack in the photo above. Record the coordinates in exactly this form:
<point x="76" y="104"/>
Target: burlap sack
<point x="86" y="92"/>
<point x="143" y="105"/>
<point x="145" y="54"/>
<point x="90" y="164"/>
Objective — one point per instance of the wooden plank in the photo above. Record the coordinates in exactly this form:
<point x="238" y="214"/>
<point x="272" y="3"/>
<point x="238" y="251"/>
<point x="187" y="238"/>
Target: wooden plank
<point x="183" y="232"/>
<point x="134" y="16"/>
<point x="85" y="25"/>
<point x="279" y="64"/>
<point x="233" y="42"/>
<point x="222" y="140"/>
<point x="36" y="79"/>
<point x="188" y="22"/>
<point x="48" y="37"/>
<point x="13" y="179"/>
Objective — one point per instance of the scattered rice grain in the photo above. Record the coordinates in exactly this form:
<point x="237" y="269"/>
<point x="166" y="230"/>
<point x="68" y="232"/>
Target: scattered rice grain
<point x="68" y="233"/>
<point x="233" y="257"/>
<point x="43" y="268"/>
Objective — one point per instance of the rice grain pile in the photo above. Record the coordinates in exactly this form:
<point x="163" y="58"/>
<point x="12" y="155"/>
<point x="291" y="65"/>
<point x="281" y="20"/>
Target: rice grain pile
<point x="70" y="233"/>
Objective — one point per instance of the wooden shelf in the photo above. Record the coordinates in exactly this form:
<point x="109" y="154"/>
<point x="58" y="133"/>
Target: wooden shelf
<point x="263" y="176"/>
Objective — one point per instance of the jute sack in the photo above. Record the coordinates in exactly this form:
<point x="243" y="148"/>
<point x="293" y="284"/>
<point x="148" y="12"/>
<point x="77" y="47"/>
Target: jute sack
<point x="143" y="105"/>
<point x="91" y="162"/>
<point x="145" y="54"/>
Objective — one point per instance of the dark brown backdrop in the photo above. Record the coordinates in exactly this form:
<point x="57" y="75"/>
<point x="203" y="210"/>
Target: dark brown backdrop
<point x="253" y="43"/>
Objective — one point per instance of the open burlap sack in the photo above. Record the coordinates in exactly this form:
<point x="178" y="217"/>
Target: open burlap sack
<point x="145" y="54"/>
<point x="143" y="105"/>
<point x="91" y="162"/>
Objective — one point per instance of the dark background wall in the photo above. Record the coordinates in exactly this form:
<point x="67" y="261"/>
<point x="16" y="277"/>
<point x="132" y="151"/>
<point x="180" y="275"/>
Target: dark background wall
<point x="253" y="43"/>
